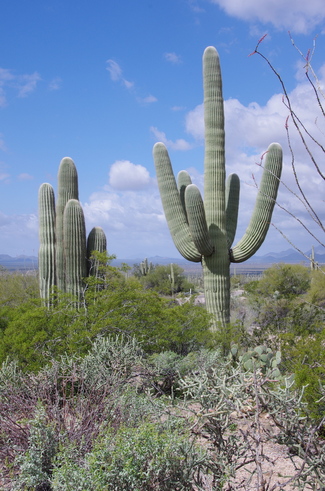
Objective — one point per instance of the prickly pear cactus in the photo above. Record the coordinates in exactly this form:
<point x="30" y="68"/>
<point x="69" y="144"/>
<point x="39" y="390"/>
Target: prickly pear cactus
<point x="263" y="359"/>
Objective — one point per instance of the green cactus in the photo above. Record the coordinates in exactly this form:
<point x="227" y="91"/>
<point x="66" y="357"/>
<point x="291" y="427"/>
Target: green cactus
<point x="204" y="230"/>
<point x="145" y="267"/>
<point x="96" y="242"/>
<point x="63" y="259"/>
<point x="74" y="238"/>
<point x="46" y="255"/>
<point x="262" y="358"/>
<point x="171" y="277"/>
<point x="67" y="189"/>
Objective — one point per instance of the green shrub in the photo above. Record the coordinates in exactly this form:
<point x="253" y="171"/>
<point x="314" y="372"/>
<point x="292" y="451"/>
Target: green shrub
<point x="144" y="458"/>
<point x="35" y="465"/>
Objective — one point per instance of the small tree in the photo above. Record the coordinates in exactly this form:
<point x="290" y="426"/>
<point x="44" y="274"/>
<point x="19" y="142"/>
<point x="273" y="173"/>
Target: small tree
<point x="166" y="280"/>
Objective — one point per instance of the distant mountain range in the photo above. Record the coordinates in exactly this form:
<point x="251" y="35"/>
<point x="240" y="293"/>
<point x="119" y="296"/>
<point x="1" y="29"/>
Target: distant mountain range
<point x="27" y="263"/>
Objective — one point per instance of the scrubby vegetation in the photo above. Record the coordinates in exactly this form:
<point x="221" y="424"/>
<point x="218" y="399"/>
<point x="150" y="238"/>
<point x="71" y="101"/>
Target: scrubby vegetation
<point x="132" y="391"/>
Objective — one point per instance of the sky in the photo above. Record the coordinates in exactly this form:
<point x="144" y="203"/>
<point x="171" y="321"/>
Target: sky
<point x="102" y="81"/>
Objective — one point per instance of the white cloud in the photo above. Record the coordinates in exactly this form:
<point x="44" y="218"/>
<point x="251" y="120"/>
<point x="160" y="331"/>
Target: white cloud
<point x="134" y="222"/>
<point x="6" y="76"/>
<point x="173" y="58"/>
<point x="178" y="108"/>
<point x="55" y="84"/>
<point x="295" y="15"/>
<point x="116" y="74"/>
<point x="114" y="69"/>
<point x="16" y="230"/>
<point x="23" y="84"/>
<point x="179" y="144"/>
<point x="147" y="100"/>
<point x="124" y="175"/>
<point x="27" y="84"/>
<point x="25" y="177"/>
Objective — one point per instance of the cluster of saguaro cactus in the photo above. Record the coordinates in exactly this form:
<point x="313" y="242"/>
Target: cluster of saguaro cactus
<point x="145" y="267"/>
<point x="64" y="253"/>
<point x="205" y="230"/>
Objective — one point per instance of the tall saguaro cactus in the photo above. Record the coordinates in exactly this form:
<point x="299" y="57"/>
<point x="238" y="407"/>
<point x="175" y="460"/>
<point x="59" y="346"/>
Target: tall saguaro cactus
<point x="64" y="252"/>
<point x="205" y="230"/>
<point x="46" y="254"/>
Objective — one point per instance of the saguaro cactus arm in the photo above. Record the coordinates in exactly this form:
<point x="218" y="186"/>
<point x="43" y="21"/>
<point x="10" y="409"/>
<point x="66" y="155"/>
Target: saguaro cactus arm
<point x="183" y="180"/>
<point x="197" y="221"/>
<point x="265" y="201"/>
<point x="173" y="208"/>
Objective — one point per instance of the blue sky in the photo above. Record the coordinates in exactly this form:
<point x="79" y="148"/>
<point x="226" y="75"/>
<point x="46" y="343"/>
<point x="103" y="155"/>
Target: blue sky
<point x="102" y="81"/>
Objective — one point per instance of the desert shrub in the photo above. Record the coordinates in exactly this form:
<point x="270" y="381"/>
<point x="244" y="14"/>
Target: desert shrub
<point x="144" y="458"/>
<point x="79" y="396"/>
<point x="169" y="367"/>
<point x="35" y="465"/>
<point x="159" y="280"/>
<point x="17" y="288"/>
<point x="304" y="356"/>
<point x="35" y="334"/>
<point x="229" y="335"/>
<point x="316" y="292"/>
<point x="284" y="281"/>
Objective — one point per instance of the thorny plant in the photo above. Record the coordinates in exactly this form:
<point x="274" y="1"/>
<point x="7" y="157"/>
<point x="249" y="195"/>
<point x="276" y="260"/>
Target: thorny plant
<point x="308" y="139"/>
<point x="219" y="397"/>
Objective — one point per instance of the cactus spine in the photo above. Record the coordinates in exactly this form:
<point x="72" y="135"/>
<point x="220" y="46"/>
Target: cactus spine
<point x="63" y="260"/>
<point x="204" y="230"/>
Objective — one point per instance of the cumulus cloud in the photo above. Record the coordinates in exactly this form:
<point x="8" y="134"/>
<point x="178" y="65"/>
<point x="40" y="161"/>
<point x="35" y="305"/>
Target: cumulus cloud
<point x="173" y="58"/>
<point x="179" y="144"/>
<point x="133" y="221"/>
<point x="124" y="175"/>
<point x="116" y="73"/>
<point x="296" y="15"/>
